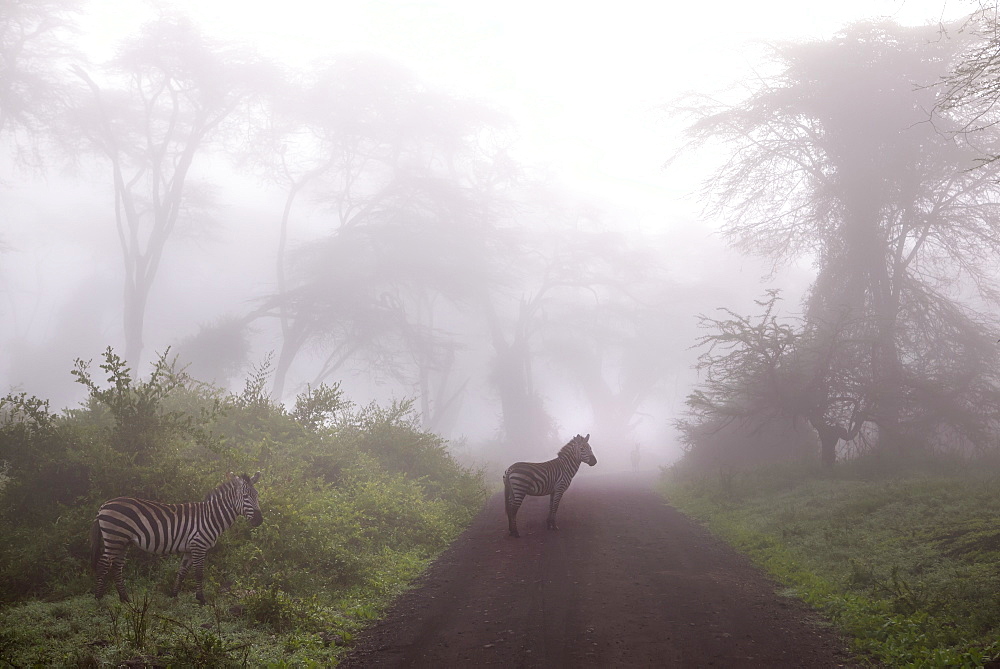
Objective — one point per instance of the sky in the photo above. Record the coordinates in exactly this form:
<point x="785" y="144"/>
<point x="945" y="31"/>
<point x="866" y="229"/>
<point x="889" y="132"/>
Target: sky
<point x="586" y="83"/>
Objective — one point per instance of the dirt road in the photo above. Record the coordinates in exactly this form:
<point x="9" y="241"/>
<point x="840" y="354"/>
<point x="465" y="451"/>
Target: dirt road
<point x="626" y="581"/>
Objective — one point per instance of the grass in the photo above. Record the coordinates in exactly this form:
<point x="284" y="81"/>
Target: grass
<point x="905" y="560"/>
<point x="237" y="628"/>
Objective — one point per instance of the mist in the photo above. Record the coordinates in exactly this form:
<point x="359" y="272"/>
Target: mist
<point x="407" y="206"/>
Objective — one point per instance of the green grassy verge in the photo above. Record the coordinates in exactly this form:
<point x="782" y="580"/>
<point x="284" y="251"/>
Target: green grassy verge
<point x="238" y="628"/>
<point x="904" y="560"/>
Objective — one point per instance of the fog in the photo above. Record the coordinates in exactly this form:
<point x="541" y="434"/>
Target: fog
<point x="486" y="211"/>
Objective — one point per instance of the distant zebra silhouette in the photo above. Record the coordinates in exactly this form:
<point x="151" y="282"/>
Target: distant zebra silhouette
<point x="190" y="529"/>
<point x="545" y="478"/>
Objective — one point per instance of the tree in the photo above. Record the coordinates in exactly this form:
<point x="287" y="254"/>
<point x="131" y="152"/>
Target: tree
<point x="579" y="304"/>
<point x="32" y="49"/>
<point x="394" y="161"/>
<point x="971" y="89"/>
<point x="173" y="93"/>
<point x="835" y="159"/>
<point x="612" y="333"/>
<point x="763" y="369"/>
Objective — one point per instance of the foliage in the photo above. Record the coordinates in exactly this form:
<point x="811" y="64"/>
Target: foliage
<point x="316" y="408"/>
<point x="903" y="556"/>
<point x="138" y="407"/>
<point x="355" y="501"/>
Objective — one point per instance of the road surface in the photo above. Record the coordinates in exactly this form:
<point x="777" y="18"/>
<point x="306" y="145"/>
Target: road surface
<point x="626" y="581"/>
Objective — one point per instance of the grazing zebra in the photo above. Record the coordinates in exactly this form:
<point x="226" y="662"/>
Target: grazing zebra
<point x="155" y="527"/>
<point x="545" y="478"/>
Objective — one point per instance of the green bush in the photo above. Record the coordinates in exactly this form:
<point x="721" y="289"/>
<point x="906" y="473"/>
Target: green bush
<point x="355" y="502"/>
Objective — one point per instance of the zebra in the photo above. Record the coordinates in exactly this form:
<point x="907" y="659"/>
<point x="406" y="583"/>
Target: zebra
<point x="544" y="478"/>
<point x="190" y="529"/>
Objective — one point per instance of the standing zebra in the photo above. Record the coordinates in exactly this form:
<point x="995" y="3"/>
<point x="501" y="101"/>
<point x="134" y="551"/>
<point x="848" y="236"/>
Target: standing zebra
<point x="155" y="527"/>
<point x="545" y="478"/>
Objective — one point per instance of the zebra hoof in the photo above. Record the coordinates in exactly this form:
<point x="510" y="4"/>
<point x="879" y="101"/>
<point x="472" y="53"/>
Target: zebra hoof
<point x="514" y="534"/>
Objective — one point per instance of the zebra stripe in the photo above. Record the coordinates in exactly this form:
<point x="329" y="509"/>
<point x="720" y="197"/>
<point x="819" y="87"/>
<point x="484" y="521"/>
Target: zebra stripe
<point x="190" y="529"/>
<point x="544" y="478"/>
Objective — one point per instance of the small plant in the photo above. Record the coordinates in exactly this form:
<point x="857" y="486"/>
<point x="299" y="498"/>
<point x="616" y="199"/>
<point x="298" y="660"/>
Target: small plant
<point x="273" y="607"/>
<point x="904" y="597"/>
<point x="201" y="647"/>
<point x="130" y="621"/>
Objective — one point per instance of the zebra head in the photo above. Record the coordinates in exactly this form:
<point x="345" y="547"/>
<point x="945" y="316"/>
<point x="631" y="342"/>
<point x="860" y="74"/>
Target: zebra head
<point x="246" y="502"/>
<point x="583" y="450"/>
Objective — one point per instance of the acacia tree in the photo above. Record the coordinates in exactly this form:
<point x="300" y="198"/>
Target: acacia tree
<point x="578" y="304"/>
<point x="611" y="332"/>
<point x="169" y="94"/>
<point x="762" y="369"/>
<point x="835" y="159"/>
<point x="33" y="47"/>
<point x="394" y="161"/>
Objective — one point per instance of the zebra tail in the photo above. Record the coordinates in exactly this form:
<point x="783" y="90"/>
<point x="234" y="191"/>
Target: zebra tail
<point x="506" y="492"/>
<point x="96" y="544"/>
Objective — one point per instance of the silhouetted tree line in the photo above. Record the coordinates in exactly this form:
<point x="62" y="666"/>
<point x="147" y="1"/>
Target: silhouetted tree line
<point x="429" y="227"/>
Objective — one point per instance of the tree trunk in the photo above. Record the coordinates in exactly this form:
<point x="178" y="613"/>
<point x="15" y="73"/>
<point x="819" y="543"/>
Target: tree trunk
<point x="524" y="419"/>
<point x="828" y="448"/>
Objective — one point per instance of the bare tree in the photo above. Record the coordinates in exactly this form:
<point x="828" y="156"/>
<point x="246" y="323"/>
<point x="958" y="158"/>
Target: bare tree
<point x="971" y="89"/>
<point x="761" y="369"/>
<point x="170" y="93"/>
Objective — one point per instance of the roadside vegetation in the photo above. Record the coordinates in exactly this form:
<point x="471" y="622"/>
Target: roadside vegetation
<point x="356" y="501"/>
<point x="903" y="557"/>
<point x="885" y="373"/>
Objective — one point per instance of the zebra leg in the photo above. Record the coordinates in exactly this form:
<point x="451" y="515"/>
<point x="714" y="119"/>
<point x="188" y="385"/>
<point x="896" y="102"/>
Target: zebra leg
<point x="553" y="507"/>
<point x="103" y="567"/>
<point x="513" y="504"/>
<point x="181" y="573"/>
<point x="117" y="564"/>
<point x="199" y="572"/>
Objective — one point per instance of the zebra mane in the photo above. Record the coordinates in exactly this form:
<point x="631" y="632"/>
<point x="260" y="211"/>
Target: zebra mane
<point x="221" y="489"/>
<point x="568" y="450"/>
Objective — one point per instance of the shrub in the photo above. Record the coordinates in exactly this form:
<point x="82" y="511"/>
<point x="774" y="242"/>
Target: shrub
<point x="355" y="502"/>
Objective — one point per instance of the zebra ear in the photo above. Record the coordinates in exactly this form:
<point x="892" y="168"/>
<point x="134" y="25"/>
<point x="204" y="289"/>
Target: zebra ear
<point x="587" y="438"/>
<point x="255" y="478"/>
